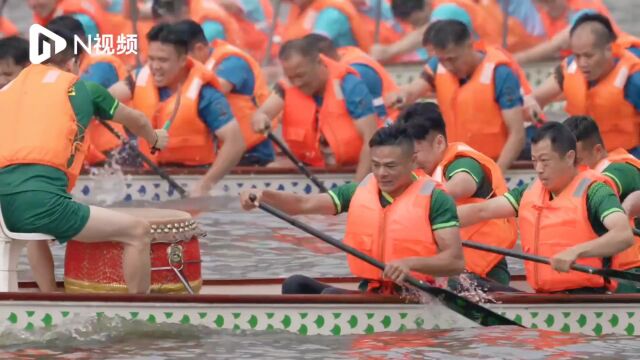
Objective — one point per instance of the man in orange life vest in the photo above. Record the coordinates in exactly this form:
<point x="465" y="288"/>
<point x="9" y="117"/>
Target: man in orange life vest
<point x="469" y="177"/>
<point x="241" y="81"/>
<point x="41" y="158"/>
<point x="624" y="172"/>
<point x="88" y="12"/>
<point x="14" y="56"/>
<point x="328" y="112"/>
<point x="407" y="221"/>
<point x="375" y="76"/>
<point x="601" y="80"/>
<point x="568" y="213"/>
<point x="172" y="82"/>
<point x="478" y="90"/>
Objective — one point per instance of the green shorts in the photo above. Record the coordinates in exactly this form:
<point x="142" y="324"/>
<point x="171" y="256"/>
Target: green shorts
<point x="44" y="212"/>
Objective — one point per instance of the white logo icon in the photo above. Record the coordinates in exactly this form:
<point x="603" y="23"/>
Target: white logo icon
<point x="37" y="57"/>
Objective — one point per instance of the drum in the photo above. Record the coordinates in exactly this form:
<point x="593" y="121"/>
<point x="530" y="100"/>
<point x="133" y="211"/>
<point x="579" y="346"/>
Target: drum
<point x="175" y="254"/>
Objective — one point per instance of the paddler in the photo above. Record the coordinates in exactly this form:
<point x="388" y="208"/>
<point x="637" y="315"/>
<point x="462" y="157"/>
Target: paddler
<point x="478" y="89"/>
<point x="378" y="80"/>
<point x="328" y="113"/>
<point x="393" y="215"/>
<point x="624" y="172"/>
<point x="241" y="81"/>
<point x="469" y="177"/>
<point x="45" y="111"/>
<point x="14" y="56"/>
<point x="568" y="213"/>
<point x="174" y="83"/>
<point x="601" y="80"/>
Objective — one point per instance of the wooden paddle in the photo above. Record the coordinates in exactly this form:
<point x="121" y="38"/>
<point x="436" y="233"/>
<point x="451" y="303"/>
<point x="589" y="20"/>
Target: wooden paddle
<point x="297" y="162"/>
<point x="453" y="301"/>
<point x="376" y="33"/>
<point x="146" y="160"/>
<point x="610" y="273"/>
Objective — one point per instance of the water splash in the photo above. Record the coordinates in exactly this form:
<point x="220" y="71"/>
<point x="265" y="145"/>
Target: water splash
<point x="109" y="181"/>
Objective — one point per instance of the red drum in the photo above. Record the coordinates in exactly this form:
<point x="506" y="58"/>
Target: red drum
<point x="97" y="267"/>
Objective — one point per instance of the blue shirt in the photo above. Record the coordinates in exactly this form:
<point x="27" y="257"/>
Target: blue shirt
<point x="102" y="73"/>
<point x="527" y="14"/>
<point x="116" y="6"/>
<point x="253" y="11"/>
<point x="90" y="27"/>
<point x="507" y="85"/>
<point x="213" y="107"/>
<point x="374" y="85"/>
<point x="238" y="72"/>
<point x="335" y="25"/>
<point x="356" y="96"/>
<point x="213" y="30"/>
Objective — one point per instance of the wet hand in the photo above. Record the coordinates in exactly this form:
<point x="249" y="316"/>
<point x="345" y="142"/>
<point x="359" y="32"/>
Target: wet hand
<point x="161" y="139"/>
<point x="260" y="123"/>
<point x="249" y="199"/>
<point x="380" y="52"/>
<point x="202" y="189"/>
<point x="395" y="100"/>
<point x="397" y="271"/>
<point x="562" y="261"/>
<point x="532" y="110"/>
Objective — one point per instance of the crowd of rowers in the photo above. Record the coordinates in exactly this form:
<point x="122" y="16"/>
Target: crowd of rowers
<point x="205" y="103"/>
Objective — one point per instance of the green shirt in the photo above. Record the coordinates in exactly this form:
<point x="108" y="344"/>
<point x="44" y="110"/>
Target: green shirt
<point x="443" y="213"/>
<point x="88" y="100"/>
<point x="473" y="168"/>
<point x="601" y="202"/>
<point x="625" y="176"/>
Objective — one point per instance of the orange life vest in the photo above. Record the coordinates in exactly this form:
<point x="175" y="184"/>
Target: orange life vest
<point x="518" y="38"/>
<point x="208" y="10"/>
<point x="303" y="124"/>
<point x="243" y="106"/>
<point x="391" y="31"/>
<point x="87" y="7"/>
<point x="470" y="111"/>
<point x="627" y="41"/>
<point x="488" y="28"/>
<point x="548" y="227"/>
<point x="498" y="232"/>
<point x="554" y="26"/>
<point x="256" y="35"/>
<point x="101" y="140"/>
<point x="398" y="231"/>
<point x="618" y="119"/>
<point x="7" y="28"/>
<point x="301" y="22"/>
<point x="190" y="141"/>
<point x="629" y="258"/>
<point x="44" y="134"/>
<point x="350" y="55"/>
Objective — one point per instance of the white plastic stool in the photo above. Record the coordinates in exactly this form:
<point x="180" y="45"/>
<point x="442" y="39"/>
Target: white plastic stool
<point x="11" y="245"/>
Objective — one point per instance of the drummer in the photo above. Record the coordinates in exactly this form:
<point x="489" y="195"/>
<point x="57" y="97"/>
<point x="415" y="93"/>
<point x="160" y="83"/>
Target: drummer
<point x="419" y="232"/>
<point x="567" y="214"/>
<point x="39" y="164"/>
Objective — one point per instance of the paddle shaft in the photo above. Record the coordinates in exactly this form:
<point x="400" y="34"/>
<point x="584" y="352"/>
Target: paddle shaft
<point x="146" y="160"/>
<point x="135" y="16"/>
<point x="302" y="167"/>
<point x="272" y="32"/>
<point x="469" y="309"/>
<point x="376" y="35"/>
<point x="543" y="260"/>
<point x="174" y="113"/>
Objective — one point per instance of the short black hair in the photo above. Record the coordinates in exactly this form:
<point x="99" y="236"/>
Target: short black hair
<point x="394" y="135"/>
<point x="68" y="53"/>
<point x="585" y="129"/>
<point x="323" y="45"/>
<point x="192" y="31"/>
<point x="70" y="24"/>
<point x="561" y="138"/>
<point x="167" y="34"/>
<point x="422" y="119"/>
<point x="15" y="48"/>
<point x="298" y="46"/>
<point x="402" y="9"/>
<point x="444" y="33"/>
<point x="600" y="27"/>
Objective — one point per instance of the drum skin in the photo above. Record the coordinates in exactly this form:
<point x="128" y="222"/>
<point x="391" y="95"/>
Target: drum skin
<point x="97" y="267"/>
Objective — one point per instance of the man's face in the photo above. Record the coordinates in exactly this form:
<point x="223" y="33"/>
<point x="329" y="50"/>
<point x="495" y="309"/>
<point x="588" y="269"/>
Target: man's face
<point x="42" y="8"/>
<point x="8" y="71"/>
<point x="165" y="63"/>
<point x="553" y="170"/>
<point x="589" y="155"/>
<point x="456" y="59"/>
<point x="429" y="152"/>
<point x="392" y="167"/>
<point x="591" y="58"/>
<point x="303" y="73"/>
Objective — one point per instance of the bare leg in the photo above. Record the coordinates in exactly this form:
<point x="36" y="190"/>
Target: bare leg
<point x="134" y="234"/>
<point x="41" y="261"/>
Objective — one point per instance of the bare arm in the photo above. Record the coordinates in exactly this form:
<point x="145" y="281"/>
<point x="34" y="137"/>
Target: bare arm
<point x="261" y="120"/>
<point x="547" y="50"/>
<point x="136" y="122"/>
<point x="292" y="204"/>
<point x="514" y="119"/>
<point x="461" y="186"/>
<point x="547" y="92"/>
<point x="366" y="126"/>
<point x="408" y="43"/>
<point x="631" y="204"/>
<point x="408" y="94"/>
<point x="121" y="91"/>
<point x="496" y="208"/>
<point x="232" y="150"/>
<point x="225" y="86"/>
